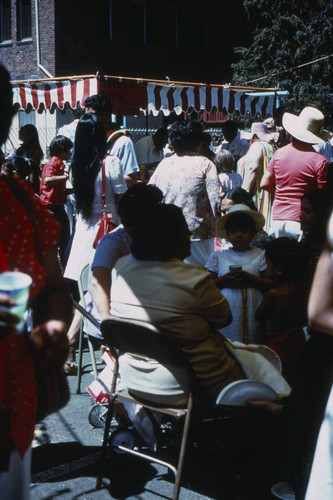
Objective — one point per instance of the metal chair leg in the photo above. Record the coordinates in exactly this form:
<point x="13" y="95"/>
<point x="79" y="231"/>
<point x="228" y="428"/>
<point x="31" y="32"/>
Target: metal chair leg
<point x="79" y="365"/>
<point x="92" y="356"/>
<point x="182" y="452"/>
<point x="109" y="416"/>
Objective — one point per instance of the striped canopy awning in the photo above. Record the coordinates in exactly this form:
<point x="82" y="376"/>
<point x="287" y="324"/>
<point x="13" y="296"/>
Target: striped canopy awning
<point x="48" y="95"/>
<point x="130" y="95"/>
<point x="209" y="98"/>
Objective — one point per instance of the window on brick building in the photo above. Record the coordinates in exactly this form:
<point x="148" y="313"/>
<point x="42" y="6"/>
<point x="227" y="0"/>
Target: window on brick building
<point x="5" y="24"/>
<point x="23" y="13"/>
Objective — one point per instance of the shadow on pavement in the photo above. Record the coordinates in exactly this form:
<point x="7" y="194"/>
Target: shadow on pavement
<point x="123" y="476"/>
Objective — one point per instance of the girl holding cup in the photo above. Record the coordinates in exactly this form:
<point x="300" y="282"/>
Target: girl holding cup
<point x="239" y="272"/>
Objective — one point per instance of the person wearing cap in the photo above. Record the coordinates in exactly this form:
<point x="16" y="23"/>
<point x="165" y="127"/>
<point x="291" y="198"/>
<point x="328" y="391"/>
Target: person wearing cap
<point x="239" y="271"/>
<point x="294" y="170"/>
<point x="253" y="166"/>
<point x="233" y="143"/>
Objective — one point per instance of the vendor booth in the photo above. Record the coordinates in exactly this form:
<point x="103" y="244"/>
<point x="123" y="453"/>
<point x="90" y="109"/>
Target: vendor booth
<point x="130" y="95"/>
<point x="49" y="103"/>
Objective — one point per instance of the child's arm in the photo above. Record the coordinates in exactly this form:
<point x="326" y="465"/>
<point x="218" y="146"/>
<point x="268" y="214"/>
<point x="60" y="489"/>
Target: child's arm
<point x="265" y="307"/>
<point x="243" y="279"/>
<point x="220" y="282"/>
<point x="261" y="282"/>
<point x="55" y="179"/>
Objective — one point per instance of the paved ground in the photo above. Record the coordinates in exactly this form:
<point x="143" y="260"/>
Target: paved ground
<point x="65" y="461"/>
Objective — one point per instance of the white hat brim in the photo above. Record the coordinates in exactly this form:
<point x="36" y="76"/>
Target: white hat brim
<point x="295" y="127"/>
<point x="258" y="218"/>
<point x="261" y="135"/>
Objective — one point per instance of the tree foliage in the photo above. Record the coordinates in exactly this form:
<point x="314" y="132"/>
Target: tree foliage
<point x="288" y="33"/>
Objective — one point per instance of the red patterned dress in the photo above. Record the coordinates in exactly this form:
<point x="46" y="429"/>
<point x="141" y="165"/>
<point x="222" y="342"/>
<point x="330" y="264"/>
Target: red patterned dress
<point x="27" y="234"/>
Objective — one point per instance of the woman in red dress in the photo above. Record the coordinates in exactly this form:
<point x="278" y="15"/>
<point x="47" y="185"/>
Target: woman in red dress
<point x="28" y="236"/>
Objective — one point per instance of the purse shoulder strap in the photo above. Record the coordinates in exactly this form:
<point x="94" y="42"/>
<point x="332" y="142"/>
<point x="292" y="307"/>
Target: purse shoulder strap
<point x="103" y="185"/>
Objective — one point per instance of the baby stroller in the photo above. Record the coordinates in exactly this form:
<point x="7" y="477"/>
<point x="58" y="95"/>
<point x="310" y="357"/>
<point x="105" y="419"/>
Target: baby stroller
<point x="99" y="390"/>
<point x="124" y="430"/>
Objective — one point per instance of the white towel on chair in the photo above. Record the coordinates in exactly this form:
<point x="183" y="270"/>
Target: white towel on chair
<point x="260" y="363"/>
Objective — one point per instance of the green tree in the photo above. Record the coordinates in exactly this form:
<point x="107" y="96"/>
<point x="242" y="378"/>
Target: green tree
<point x="285" y="34"/>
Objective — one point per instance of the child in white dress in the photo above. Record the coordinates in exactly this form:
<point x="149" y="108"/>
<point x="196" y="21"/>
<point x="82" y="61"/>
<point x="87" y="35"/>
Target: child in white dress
<point x="240" y="271"/>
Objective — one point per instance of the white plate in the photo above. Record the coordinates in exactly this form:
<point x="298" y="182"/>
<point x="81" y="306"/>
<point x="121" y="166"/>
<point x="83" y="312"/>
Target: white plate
<point x="283" y="491"/>
<point x="237" y="393"/>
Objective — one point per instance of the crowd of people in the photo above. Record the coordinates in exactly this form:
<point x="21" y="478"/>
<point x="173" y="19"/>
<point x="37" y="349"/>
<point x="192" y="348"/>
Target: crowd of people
<point x="215" y="245"/>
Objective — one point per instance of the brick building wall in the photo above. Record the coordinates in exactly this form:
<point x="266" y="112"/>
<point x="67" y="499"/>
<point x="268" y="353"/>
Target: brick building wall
<point x="20" y="57"/>
<point x="47" y="35"/>
<point x="76" y="37"/>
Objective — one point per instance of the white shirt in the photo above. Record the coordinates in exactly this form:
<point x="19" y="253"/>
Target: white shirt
<point x="237" y="147"/>
<point x="325" y="149"/>
<point x="146" y="152"/>
<point x="123" y="148"/>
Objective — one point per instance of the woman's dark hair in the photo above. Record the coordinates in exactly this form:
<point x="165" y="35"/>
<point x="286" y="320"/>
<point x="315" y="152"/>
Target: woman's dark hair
<point x="185" y="136"/>
<point x="14" y="163"/>
<point x="89" y="152"/>
<point x="319" y="203"/>
<point x="241" y="197"/>
<point x="240" y="220"/>
<point x="161" y="132"/>
<point x="32" y="131"/>
<point x="287" y="255"/>
<point x="158" y="234"/>
<point x="99" y="103"/>
<point x="60" y="143"/>
<point x="139" y="199"/>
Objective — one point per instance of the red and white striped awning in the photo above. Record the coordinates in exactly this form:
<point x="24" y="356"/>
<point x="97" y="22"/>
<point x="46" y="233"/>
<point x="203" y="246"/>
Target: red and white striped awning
<point x="47" y="95"/>
<point x="128" y="96"/>
<point x="209" y="98"/>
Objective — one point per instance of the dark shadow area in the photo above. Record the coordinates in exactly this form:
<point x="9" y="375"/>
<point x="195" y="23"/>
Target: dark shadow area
<point x="123" y="476"/>
<point x="232" y="459"/>
<point x="236" y="458"/>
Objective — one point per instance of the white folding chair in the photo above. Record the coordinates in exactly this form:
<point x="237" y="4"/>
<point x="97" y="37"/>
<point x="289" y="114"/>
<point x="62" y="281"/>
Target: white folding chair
<point x="83" y="288"/>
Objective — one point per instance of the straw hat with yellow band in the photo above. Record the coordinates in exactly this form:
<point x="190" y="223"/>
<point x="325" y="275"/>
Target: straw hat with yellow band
<point x="258" y="218"/>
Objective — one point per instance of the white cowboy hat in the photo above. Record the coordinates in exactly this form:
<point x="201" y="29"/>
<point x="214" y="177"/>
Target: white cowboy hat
<point x="307" y="127"/>
<point x="260" y="130"/>
<point x="258" y="218"/>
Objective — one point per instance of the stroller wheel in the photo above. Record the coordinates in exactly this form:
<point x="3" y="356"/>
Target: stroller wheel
<point x="121" y="437"/>
<point x="97" y="416"/>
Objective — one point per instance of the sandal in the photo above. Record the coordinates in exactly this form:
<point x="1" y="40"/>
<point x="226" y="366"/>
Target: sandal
<point x="70" y="366"/>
